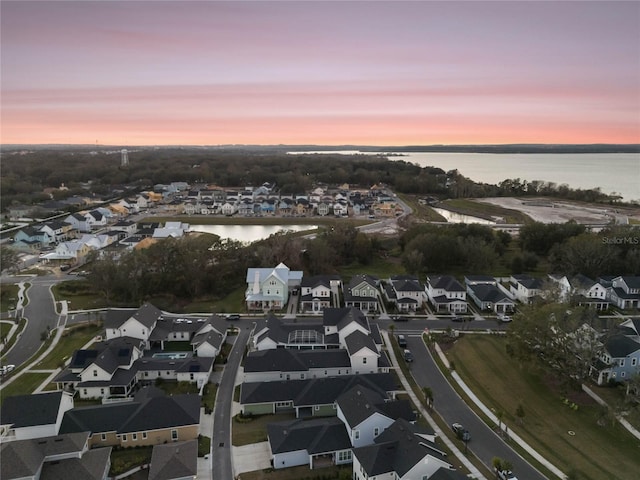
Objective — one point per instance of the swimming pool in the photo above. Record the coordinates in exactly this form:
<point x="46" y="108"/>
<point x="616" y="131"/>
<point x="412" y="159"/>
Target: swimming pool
<point x="171" y="355"/>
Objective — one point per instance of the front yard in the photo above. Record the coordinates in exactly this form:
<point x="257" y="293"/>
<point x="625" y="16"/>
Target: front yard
<point x="578" y="440"/>
<point x="253" y="429"/>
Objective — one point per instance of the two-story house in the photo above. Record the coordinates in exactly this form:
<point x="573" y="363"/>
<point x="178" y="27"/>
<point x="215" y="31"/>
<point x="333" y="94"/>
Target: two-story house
<point x="139" y="324"/>
<point x="362" y="293"/>
<point x="316" y="293"/>
<point x="406" y="293"/>
<point x="446" y="294"/>
<point x="488" y="295"/>
<point x="269" y="288"/>
<point x="32" y="238"/>
<point x="625" y="292"/>
<point x="38" y="415"/>
<point x="619" y="359"/>
<point x="525" y="288"/>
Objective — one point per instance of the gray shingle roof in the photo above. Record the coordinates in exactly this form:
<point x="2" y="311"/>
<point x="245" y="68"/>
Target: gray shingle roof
<point x="318" y="435"/>
<point x="31" y="410"/>
<point x="357" y="340"/>
<point x="447" y="282"/>
<point x="94" y="465"/>
<point x="285" y="360"/>
<point x="147" y="315"/>
<point x="341" y="317"/>
<point x="619" y="346"/>
<point x="174" y="460"/>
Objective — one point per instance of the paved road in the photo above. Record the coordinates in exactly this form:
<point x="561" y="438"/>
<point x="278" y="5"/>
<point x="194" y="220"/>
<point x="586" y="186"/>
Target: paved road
<point x="221" y="437"/>
<point x="40" y="313"/>
<point x="485" y="443"/>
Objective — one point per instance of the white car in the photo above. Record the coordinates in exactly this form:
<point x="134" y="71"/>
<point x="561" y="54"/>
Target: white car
<point x="506" y="475"/>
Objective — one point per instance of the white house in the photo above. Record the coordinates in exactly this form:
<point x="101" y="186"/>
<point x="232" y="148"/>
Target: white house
<point x="33" y="416"/>
<point x="446" y="294"/>
<point x="625" y="292"/>
<point x="121" y="323"/>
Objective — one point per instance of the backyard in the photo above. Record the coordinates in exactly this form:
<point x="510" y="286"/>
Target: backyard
<point x="581" y="441"/>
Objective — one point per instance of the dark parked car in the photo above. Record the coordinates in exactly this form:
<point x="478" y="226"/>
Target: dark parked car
<point x="400" y="318"/>
<point x="461" y="432"/>
<point x="402" y="341"/>
<point x="408" y="356"/>
<point x="233" y="316"/>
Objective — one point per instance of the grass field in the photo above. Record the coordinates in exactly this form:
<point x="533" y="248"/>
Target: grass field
<point x="8" y="296"/>
<point x="71" y="340"/>
<point x="24" y="385"/>
<point x="485" y="210"/>
<point x="254" y="430"/>
<point x="592" y="452"/>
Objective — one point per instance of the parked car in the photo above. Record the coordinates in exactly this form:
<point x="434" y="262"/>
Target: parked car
<point x="506" y="475"/>
<point x="408" y="356"/>
<point x="504" y="318"/>
<point x="402" y="341"/>
<point x="233" y="316"/>
<point x="6" y="369"/>
<point x="400" y="318"/>
<point x="461" y="432"/>
<point x="457" y="319"/>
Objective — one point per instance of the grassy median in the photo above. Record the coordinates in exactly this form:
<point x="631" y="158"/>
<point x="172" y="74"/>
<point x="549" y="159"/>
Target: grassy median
<point x="579" y="441"/>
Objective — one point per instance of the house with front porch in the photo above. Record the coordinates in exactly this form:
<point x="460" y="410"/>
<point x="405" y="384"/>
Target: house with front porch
<point x="488" y="295"/>
<point x="619" y="360"/>
<point x="581" y="290"/>
<point x="32" y="238"/>
<point x="138" y="324"/>
<point x="405" y="292"/>
<point x="624" y="292"/>
<point x="279" y="334"/>
<point x="446" y="294"/>
<point x="59" y="231"/>
<point x="24" y="417"/>
<point x="269" y="288"/>
<point x="525" y="288"/>
<point x="362" y="293"/>
<point x="74" y="252"/>
<point x="316" y="293"/>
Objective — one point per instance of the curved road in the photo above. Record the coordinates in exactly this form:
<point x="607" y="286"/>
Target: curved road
<point x="485" y="443"/>
<point x="40" y="313"/>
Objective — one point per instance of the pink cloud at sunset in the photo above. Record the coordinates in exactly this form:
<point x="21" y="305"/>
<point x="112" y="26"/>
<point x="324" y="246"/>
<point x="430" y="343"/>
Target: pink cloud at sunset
<point x="385" y="73"/>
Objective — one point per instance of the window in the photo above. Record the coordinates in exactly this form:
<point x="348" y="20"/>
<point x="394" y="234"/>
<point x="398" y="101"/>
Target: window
<point x="95" y="373"/>
<point x="344" y="456"/>
<point x="84" y="391"/>
<point x="316" y="408"/>
<point x="124" y="437"/>
<point x="634" y="361"/>
<point x="356" y="434"/>
<point x="174" y="434"/>
<point x="134" y="436"/>
<point x="103" y="436"/>
<point x="623" y="374"/>
<point x="144" y="434"/>
<point x="376" y="431"/>
<point x="364" y="360"/>
<point x="622" y="362"/>
<point x="102" y="391"/>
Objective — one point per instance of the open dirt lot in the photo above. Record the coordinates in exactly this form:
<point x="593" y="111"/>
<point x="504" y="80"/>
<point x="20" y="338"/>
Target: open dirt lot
<point x="552" y="211"/>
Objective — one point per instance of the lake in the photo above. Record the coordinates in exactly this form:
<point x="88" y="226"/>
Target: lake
<point x="248" y="233"/>
<point x="613" y="173"/>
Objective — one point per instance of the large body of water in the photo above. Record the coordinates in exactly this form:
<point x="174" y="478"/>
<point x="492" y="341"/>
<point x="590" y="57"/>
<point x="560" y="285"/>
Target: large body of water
<point x="248" y="233"/>
<point x="613" y="173"/>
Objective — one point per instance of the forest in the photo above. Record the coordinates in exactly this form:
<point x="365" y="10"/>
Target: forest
<point x="26" y="174"/>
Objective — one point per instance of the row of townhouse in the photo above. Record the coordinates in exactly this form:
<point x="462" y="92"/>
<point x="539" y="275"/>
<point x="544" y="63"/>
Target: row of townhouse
<point x="334" y="375"/>
<point x="45" y="436"/>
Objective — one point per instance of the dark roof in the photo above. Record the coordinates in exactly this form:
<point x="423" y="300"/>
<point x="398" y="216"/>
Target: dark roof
<point x="357" y="340"/>
<point x="31" y="410"/>
<point x="116" y="317"/>
<point x="528" y="281"/>
<point x="359" y="403"/>
<point x="447" y="282"/>
<point x="320" y="435"/>
<point x="147" y="315"/>
<point x="212" y="337"/>
<point x="444" y="473"/>
<point x="314" y="391"/>
<point x="341" y="317"/>
<point x="153" y="413"/>
<point x="317" y="280"/>
<point x="406" y="283"/>
<point x="582" y="281"/>
<point x="632" y="281"/>
<point x="174" y="460"/>
<point x="110" y="354"/>
<point x="398" y="449"/>
<point x="619" y="346"/>
<point x="94" y="464"/>
<point x="286" y="360"/>
<point x="489" y="293"/>
<point x="358" y="279"/>
<point x="167" y="325"/>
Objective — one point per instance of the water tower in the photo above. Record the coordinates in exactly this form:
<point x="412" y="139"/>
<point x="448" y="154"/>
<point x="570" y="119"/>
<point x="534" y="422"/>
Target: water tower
<point x="124" y="162"/>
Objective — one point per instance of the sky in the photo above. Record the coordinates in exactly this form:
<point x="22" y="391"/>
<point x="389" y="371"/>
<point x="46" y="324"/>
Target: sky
<point x="324" y="73"/>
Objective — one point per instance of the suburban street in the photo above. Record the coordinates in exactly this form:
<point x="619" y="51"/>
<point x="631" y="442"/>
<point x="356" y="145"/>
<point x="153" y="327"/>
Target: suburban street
<point x="485" y="443"/>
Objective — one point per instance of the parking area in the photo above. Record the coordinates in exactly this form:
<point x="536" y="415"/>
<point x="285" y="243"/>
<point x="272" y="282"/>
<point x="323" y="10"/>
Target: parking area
<point x="249" y="458"/>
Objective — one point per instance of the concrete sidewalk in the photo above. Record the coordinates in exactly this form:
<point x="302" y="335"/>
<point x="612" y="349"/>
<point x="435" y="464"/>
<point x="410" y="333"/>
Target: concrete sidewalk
<point x="475" y="473"/>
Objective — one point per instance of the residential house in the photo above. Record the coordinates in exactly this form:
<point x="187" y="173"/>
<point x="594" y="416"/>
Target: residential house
<point x="127" y="227"/>
<point x="362" y="293"/>
<point x="174" y="461"/>
<point x="313" y="397"/>
<point x="54" y="457"/>
<point x="95" y="219"/>
<point x="268" y="288"/>
<point x="525" y="288"/>
<point x="79" y="222"/>
<point x="278" y="334"/>
<point x="366" y="414"/>
<point x="488" y="295"/>
<point x="122" y="323"/>
<point x="228" y="208"/>
<point x="290" y="364"/>
<point x="190" y="369"/>
<point x="624" y="292"/>
<point x="403" y="451"/>
<point x="32" y="238"/>
<point x="316" y="293"/>
<point x="406" y="293"/>
<point x="171" y="229"/>
<point x="316" y="443"/>
<point x="151" y="419"/>
<point x="446" y="294"/>
<point x="24" y="417"/>
<point x="581" y="290"/>
<point x="619" y="359"/>
<point x="73" y="252"/>
<point x="59" y="231"/>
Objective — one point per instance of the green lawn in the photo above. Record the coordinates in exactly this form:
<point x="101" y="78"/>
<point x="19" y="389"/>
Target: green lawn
<point x="485" y="210"/>
<point x="79" y="295"/>
<point x="72" y="339"/>
<point x="8" y="296"/>
<point x="124" y="459"/>
<point x="24" y="385"/>
<point x="594" y="452"/>
<point x="253" y="430"/>
<point x="380" y="267"/>
<point x="5" y="328"/>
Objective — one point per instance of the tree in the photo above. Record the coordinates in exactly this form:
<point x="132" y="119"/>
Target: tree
<point x="520" y="413"/>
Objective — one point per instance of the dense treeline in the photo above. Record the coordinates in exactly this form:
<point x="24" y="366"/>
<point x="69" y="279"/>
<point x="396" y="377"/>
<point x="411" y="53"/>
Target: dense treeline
<point x="26" y="175"/>
<point x="204" y="266"/>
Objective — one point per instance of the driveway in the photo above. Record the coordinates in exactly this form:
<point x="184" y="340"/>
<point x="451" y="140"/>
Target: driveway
<point x="251" y="457"/>
<point x="485" y="443"/>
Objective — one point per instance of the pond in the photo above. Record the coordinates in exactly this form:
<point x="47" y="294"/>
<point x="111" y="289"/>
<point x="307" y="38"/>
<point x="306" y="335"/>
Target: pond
<point x="454" y="217"/>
